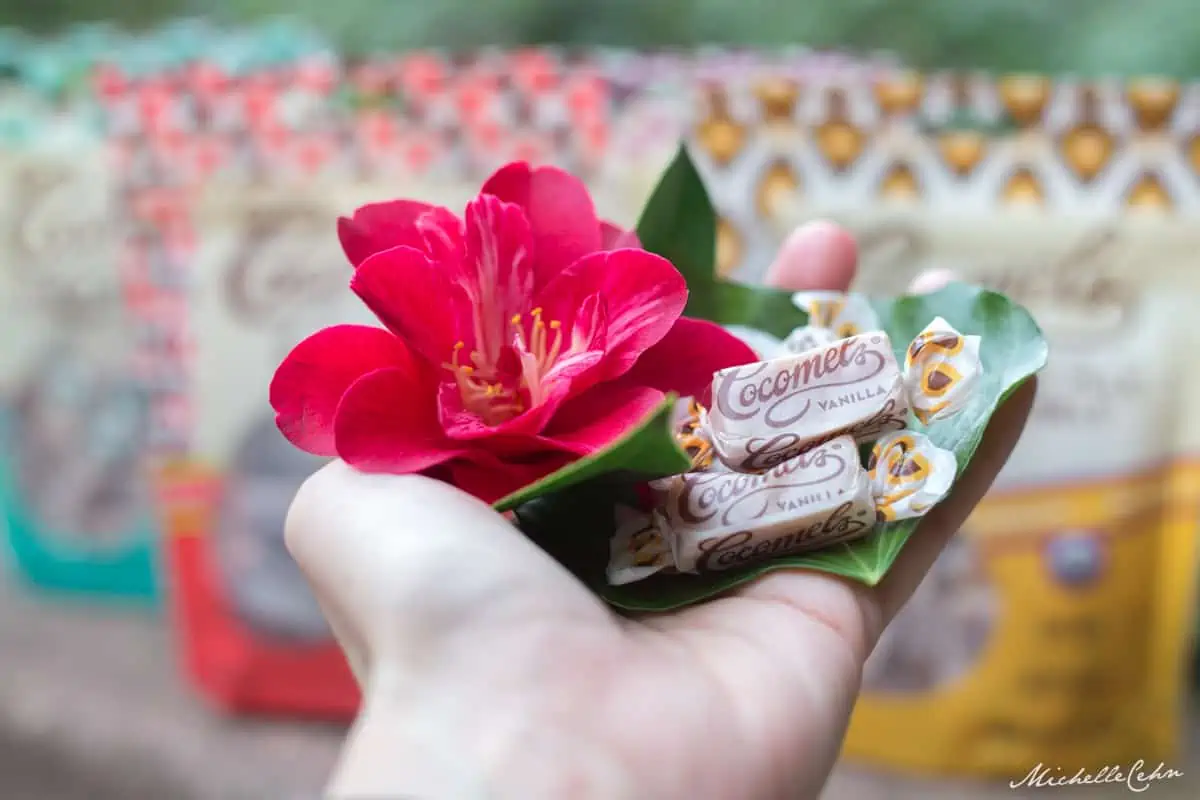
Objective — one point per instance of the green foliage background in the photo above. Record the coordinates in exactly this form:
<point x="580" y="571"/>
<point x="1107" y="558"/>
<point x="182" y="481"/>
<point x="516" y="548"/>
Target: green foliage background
<point x="1082" y="36"/>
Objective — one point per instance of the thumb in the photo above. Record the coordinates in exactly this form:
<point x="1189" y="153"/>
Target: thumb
<point x="398" y="560"/>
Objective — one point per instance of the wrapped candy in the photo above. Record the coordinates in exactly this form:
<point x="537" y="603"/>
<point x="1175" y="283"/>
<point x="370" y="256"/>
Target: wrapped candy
<point x="707" y="522"/>
<point x="639" y="547"/>
<point x="770" y="411"/>
<point x="909" y="474"/>
<point x="831" y="316"/>
<point x="941" y="370"/>
<point x="775" y="466"/>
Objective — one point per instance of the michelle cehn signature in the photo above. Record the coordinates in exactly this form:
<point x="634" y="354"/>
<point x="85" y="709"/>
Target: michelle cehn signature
<point x="1135" y="777"/>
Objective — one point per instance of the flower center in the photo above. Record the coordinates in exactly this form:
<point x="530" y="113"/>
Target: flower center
<point x="495" y="396"/>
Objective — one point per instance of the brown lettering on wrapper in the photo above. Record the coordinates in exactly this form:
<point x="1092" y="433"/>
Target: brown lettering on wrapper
<point x="740" y="549"/>
<point x="755" y="391"/>
<point x="737" y="498"/>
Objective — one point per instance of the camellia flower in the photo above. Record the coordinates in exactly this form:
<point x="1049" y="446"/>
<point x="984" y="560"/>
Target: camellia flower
<point x="517" y="339"/>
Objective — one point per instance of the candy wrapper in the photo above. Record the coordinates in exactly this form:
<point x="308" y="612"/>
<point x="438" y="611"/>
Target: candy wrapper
<point x="770" y="411"/>
<point x="707" y="522"/>
<point x="941" y="369"/>
<point x="75" y="509"/>
<point x="831" y="316"/>
<point x="909" y="475"/>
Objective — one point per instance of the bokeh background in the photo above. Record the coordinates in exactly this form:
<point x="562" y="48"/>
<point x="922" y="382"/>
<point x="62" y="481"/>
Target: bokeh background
<point x="1078" y="36"/>
<point x="125" y="695"/>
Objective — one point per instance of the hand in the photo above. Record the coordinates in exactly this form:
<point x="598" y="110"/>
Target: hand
<point x="489" y="671"/>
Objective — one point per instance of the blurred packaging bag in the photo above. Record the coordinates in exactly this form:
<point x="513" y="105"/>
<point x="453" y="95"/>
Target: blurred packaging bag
<point x="239" y="216"/>
<point x="230" y="249"/>
<point x="1057" y="627"/>
<point x="730" y="107"/>
<point x="267" y="271"/>
<point x="72" y="487"/>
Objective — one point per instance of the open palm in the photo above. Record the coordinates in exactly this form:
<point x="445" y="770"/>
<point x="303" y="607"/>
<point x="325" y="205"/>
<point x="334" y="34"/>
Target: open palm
<point x="489" y="671"/>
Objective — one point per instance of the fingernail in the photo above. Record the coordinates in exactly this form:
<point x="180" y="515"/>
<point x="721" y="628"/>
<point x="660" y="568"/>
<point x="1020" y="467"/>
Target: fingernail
<point x="816" y="255"/>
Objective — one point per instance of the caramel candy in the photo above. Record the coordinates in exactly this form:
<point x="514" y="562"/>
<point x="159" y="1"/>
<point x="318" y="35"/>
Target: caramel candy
<point x="909" y="475"/>
<point x="719" y="521"/>
<point x="942" y="370"/>
<point x="712" y="521"/>
<point x="639" y="548"/>
<point x="768" y="412"/>
<point x="840" y="314"/>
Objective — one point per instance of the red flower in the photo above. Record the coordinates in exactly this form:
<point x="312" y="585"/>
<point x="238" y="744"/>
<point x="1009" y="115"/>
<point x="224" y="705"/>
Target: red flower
<point x="519" y="338"/>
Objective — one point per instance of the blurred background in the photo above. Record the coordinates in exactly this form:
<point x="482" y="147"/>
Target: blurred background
<point x="168" y="167"/>
<point x="1085" y="36"/>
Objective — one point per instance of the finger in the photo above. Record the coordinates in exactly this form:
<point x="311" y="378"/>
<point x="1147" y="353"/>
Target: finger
<point x="403" y="557"/>
<point x="817" y="255"/>
<point x="931" y="280"/>
<point x="943" y="522"/>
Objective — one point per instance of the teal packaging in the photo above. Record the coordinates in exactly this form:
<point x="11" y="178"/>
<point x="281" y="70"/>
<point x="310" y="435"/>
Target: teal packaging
<point x="74" y="501"/>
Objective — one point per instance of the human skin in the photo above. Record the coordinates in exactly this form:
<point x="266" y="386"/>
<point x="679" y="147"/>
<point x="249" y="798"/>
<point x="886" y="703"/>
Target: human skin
<point x="488" y="671"/>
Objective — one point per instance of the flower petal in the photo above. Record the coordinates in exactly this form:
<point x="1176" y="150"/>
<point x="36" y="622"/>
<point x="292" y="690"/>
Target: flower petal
<point x="387" y="422"/>
<point x="309" y="384"/>
<point x="686" y="358"/>
<point x="489" y="478"/>
<point x="498" y="272"/>
<point x="380" y="226"/>
<point x="559" y="209"/>
<point x="583" y="348"/>
<point x="643" y="295"/>
<point x="614" y="237"/>
<point x="599" y="417"/>
<point x="443" y="234"/>
<point x="415" y="299"/>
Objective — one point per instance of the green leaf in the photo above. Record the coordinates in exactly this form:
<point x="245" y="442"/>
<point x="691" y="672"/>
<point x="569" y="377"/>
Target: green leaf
<point x="679" y="224"/>
<point x="575" y="526"/>
<point x="648" y="451"/>
<point x="761" y="307"/>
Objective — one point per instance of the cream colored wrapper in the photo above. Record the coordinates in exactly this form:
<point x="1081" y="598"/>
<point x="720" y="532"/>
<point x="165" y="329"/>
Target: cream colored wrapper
<point x="942" y="368"/>
<point x="639" y="548"/>
<point x="843" y="314"/>
<point x="720" y="521"/>
<point x="909" y="475"/>
<point x="767" y="412"/>
<point x="714" y="521"/>
<point x="808" y="338"/>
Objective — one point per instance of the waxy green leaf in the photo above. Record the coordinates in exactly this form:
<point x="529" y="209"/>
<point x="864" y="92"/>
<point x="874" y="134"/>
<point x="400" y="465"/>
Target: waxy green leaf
<point x="648" y="451"/>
